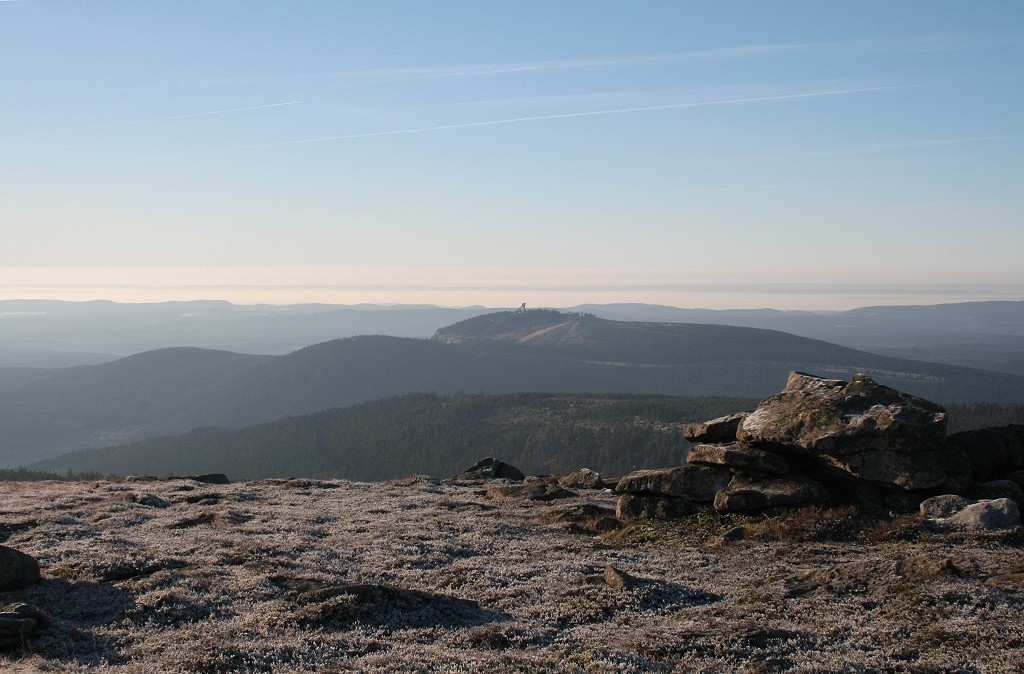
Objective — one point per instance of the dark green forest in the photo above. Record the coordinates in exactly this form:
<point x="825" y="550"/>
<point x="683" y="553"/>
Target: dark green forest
<point x="441" y="435"/>
<point x="428" y="434"/>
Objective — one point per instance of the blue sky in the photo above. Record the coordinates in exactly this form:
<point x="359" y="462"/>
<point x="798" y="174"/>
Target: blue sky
<point x="719" y="154"/>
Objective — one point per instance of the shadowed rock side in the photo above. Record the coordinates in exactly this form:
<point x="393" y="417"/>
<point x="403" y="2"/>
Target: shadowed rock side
<point x="827" y="440"/>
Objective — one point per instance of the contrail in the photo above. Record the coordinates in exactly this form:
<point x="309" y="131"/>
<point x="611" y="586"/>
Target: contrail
<point x="587" y="113"/>
<point x="512" y="120"/>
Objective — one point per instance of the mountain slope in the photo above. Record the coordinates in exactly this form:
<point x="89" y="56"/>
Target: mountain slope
<point x="173" y="391"/>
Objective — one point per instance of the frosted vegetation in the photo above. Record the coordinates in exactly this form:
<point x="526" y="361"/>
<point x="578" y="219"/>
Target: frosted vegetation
<point x="423" y="575"/>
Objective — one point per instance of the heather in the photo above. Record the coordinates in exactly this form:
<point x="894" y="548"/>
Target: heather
<point x="427" y="575"/>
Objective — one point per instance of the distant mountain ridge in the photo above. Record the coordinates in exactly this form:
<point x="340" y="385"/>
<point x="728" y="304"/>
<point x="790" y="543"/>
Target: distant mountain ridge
<point x="45" y="412"/>
<point x="37" y="333"/>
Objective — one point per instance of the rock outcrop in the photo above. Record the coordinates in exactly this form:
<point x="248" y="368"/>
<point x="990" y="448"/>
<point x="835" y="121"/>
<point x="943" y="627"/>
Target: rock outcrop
<point x="489" y="469"/>
<point x="822" y="440"/>
<point x="669" y="492"/>
<point x="857" y="428"/>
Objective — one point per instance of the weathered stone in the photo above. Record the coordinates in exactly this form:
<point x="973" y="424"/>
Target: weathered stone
<point x="19" y="623"/>
<point x="940" y="507"/>
<point x="619" y="579"/>
<point x="738" y="455"/>
<point x="532" y="491"/>
<point x="17" y="570"/>
<point x="489" y="469"/>
<point x="722" y="429"/>
<point x="746" y="493"/>
<point x="994" y="489"/>
<point x="694" y="483"/>
<point x="584" y="478"/>
<point x="1000" y="513"/>
<point x="866" y="430"/>
<point x="734" y="535"/>
<point x="634" y="506"/>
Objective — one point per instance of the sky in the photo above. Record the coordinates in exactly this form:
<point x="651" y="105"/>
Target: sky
<point x="798" y="155"/>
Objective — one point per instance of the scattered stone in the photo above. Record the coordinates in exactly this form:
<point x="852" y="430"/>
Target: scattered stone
<point x="19" y="623"/>
<point x="635" y="506"/>
<point x="941" y="507"/>
<point x="533" y="491"/>
<point x="17" y="570"/>
<point x="490" y="469"/>
<point x="739" y="455"/>
<point x="619" y="579"/>
<point x="1000" y="513"/>
<point x="734" y="535"/>
<point x="722" y="429"/>
<point x="999" y="489"/>
<point x="694" y="483"/>
<point x="745" y="493"/>
<point x="584" y="478"/>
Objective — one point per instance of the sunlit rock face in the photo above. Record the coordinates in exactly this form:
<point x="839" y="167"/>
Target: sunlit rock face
<point x="857" y="427"/>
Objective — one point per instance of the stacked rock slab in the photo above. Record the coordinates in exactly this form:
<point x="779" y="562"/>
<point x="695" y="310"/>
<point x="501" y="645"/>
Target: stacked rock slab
<point x="759" y="478"/>
<point x="669" y="492"/>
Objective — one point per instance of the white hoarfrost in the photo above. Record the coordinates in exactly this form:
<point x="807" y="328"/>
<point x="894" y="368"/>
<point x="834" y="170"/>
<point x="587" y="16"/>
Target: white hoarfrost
<point x="423" y="576"/>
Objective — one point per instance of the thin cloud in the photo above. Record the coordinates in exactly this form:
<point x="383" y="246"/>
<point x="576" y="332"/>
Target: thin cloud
<point x="745" y="100"/>
<point x="589" y="113"/>
<point x="876" y="148"/>
<point x="939" y="42"/>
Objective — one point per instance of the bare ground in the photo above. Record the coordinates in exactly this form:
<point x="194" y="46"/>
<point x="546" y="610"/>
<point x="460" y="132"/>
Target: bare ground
<point x="422" y="575"/>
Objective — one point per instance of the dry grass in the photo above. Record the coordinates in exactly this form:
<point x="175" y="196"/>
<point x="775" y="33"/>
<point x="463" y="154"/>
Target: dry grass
<point x="257" y="577"/>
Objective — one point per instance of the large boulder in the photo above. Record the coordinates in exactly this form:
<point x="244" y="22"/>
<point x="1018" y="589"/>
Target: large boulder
<point x="693" y="483"/>
<point x="856" y="428"/>
<point x="19" y="622"/>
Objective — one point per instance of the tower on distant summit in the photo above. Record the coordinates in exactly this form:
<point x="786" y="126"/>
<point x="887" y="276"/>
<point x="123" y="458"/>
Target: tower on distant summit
<point x="522" y="309"/>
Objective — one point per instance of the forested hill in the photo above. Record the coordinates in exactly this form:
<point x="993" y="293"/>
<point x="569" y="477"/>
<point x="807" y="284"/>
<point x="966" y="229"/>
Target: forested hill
<point x="172" y="391"/>
<point x="427" y="434"/>
<point x="718" y="356"/>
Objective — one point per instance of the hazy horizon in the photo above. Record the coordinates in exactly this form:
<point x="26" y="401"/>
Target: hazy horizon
<point x="153" y="288"/>
<point x="794" y="155"/>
